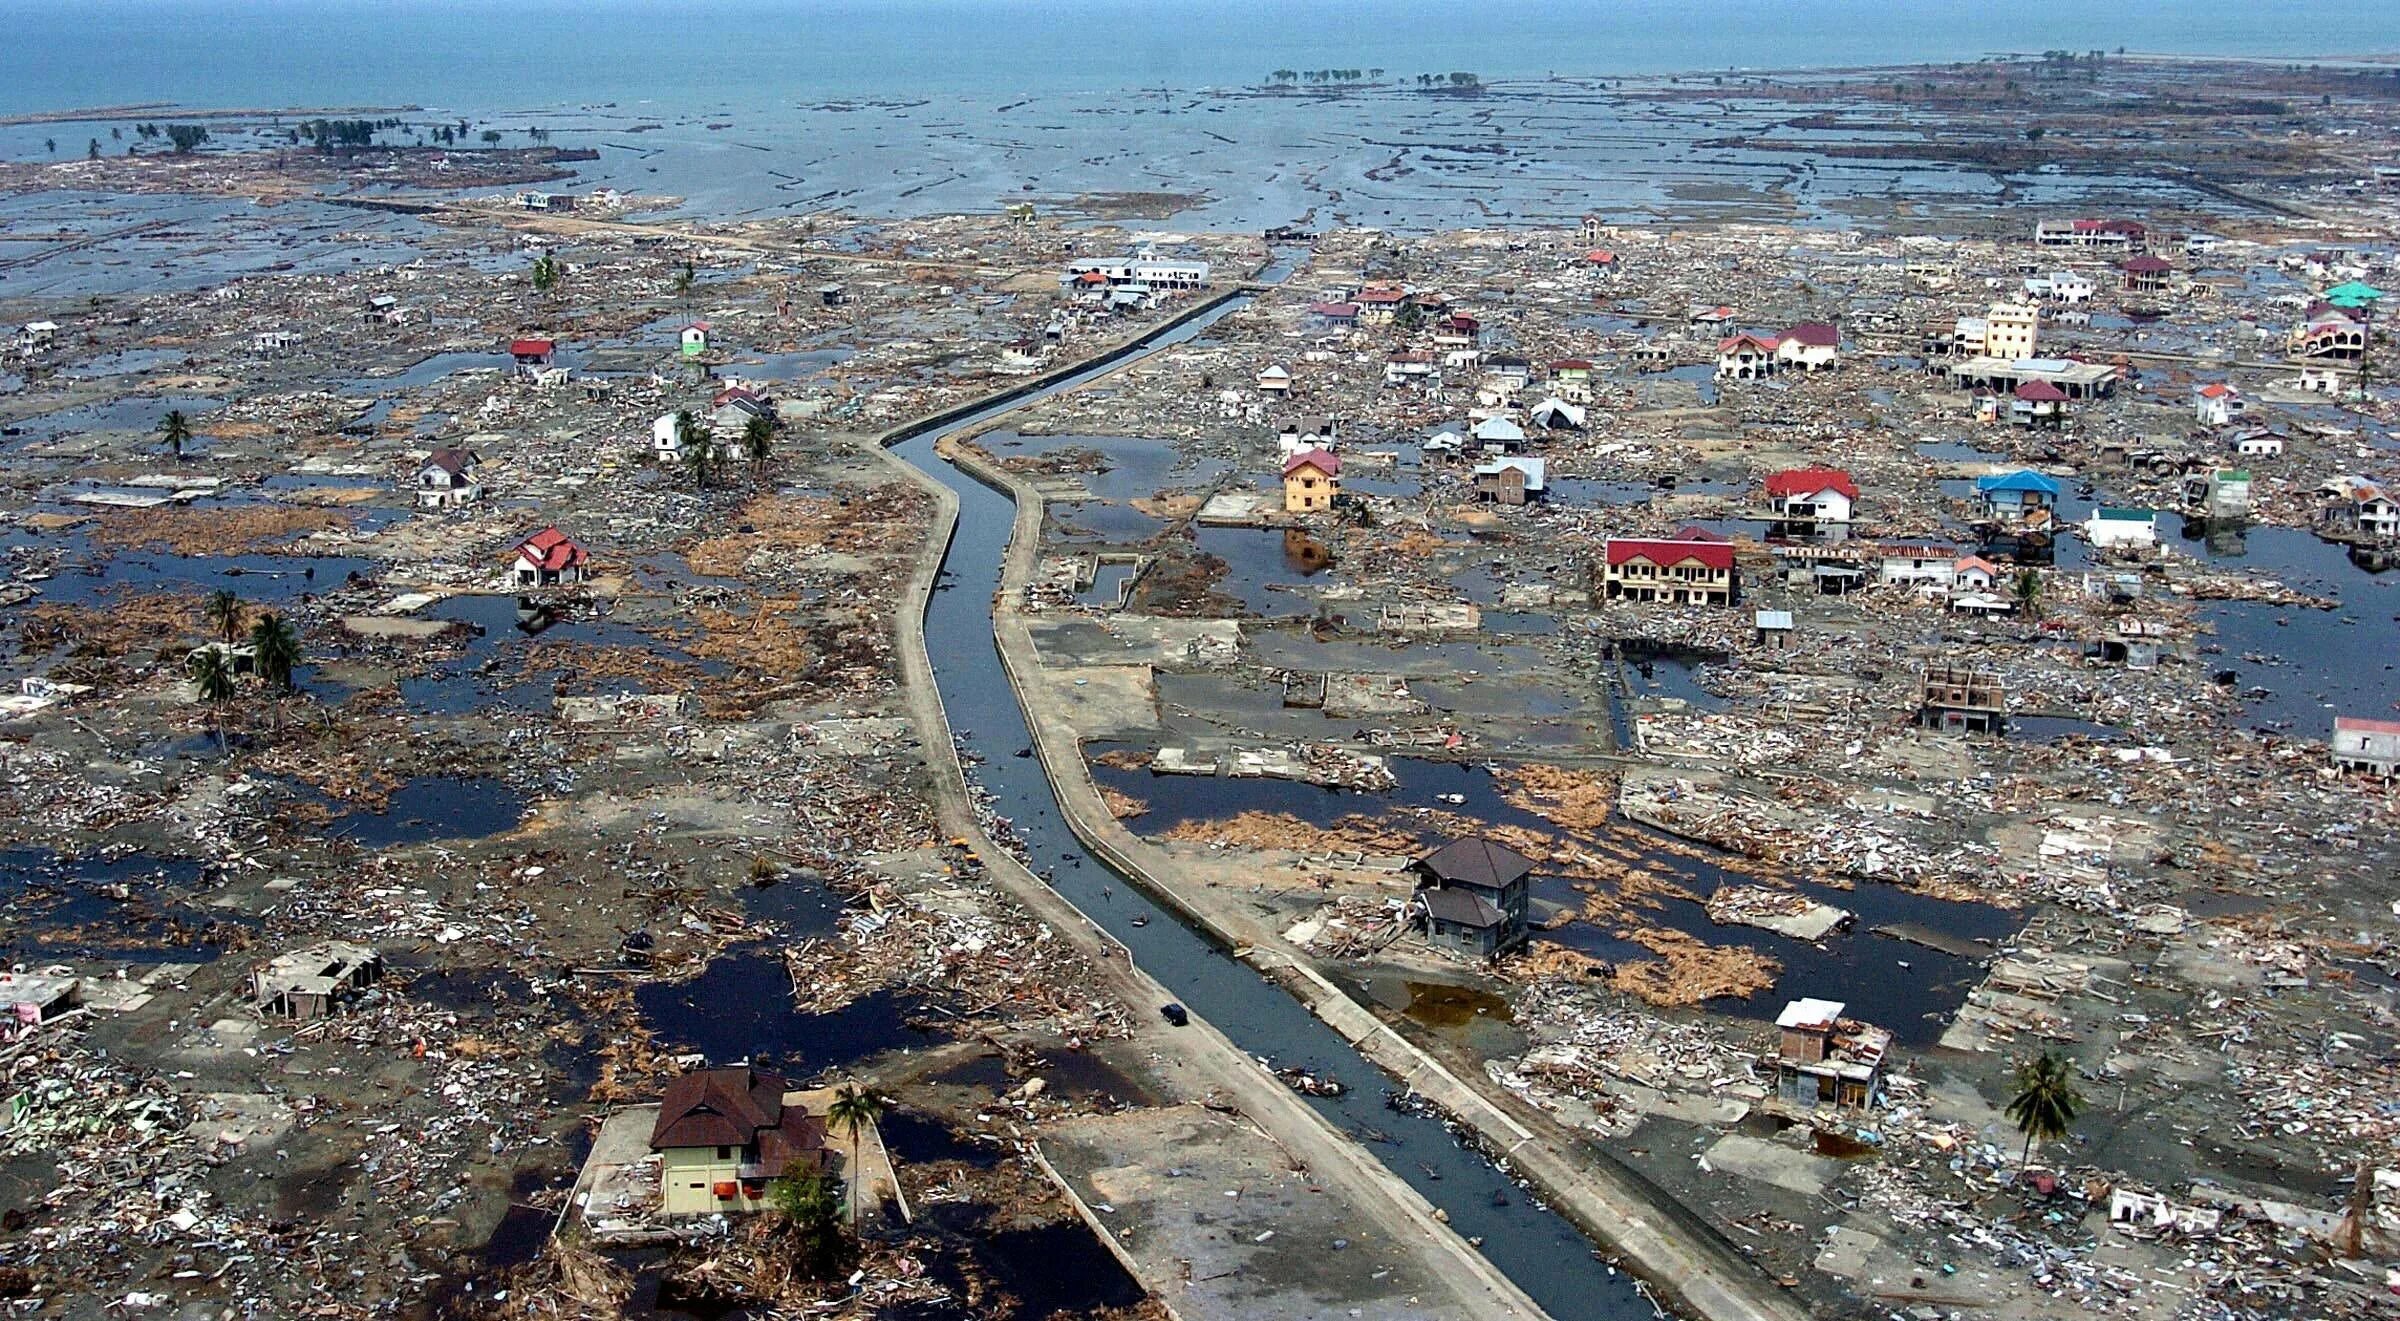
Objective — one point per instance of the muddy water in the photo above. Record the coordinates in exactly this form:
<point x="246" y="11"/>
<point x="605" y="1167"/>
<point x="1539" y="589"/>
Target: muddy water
<point x="1541" y="1252"/>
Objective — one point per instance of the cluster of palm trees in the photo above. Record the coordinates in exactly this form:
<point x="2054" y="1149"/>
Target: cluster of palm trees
<point x="1326" y="76"/>
<point x="698" y="453"/>
<point x="274" y="652"/>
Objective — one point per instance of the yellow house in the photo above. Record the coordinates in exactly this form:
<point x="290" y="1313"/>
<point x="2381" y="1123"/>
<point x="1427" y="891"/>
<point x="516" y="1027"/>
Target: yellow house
<point x="724" y="1134"/>
<point x="1311" y="479"/>
<point x="2010" y="330"/>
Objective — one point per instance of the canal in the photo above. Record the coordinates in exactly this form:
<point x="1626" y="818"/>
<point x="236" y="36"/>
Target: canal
<point x="1546" y="1256"/>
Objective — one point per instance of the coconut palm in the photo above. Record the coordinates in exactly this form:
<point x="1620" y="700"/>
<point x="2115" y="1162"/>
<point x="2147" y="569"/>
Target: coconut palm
<point x="2029" y="592"/>
<point x="277" y="649"/>
<point x="212" y="678"/>
<point x="684" y="279"/>
<point x="2046" y="1100"/>
<point x="854" y="1110"/>
<point x="758" y="438"/>
<point x="175" y="429"/>
<point x="545" y="273"/>
<point x="693" y="446"/>
<point x="224" y="613"/>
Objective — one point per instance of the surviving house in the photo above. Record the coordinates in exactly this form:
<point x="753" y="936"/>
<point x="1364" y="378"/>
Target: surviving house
<point x="308" y="984"/>
<point x="1690" y="568"/>
<point x="532" y="354"/>
<point x="1810" y="496"/>
<point x="2373" y="746"/>
<point x="1410" y="367"/>
<point x="1824" y="1061"/>
<point x="2038" y="404"/>
<point x="1474" y="895"/>
<point x="1811" y="346"/>
<point x="694" y="340"/>
<point x="2355" y="509"/>
<point x="549" y="558"/>
<point x="1956" y="699"/>
<point x="1916" y="566"/>
<point x="1316" y="431"/>
<point x="1275" y="380"/>
<point x="1457" y="331"/>
<point x="1572" y="379"/>
<point x="446" y="479"/>
<point x="2116" y="235"/>
<point x="1311" y="479"/>
<point x="2010" y="330"/>
<point x="1973" y="573"/>
<point x="2147" y="274"/>
<point x="2114" y="528"/>
<point x="2259" y="443"/>
<point x="1499" y="435"/>
<point x="2015" y="497"/>
<point x="2216" y="403"/>
<point x="723" y="1135"/>
<point x="1746" y="357"/>
<point x="1380" y="306"/>
<point x="1334" y="316"/>
<point x="1510" y="479"/>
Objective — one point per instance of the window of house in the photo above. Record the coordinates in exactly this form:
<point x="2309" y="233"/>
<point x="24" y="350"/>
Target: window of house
<point x="724" y="1153"/>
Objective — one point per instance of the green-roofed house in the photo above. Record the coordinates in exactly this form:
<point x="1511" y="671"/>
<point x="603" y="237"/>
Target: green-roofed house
<point x="2353" y="294"/>
<point x="2222" y="493"/>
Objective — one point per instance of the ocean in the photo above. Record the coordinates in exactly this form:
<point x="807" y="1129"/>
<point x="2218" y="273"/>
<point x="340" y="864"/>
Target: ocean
<point x="485" y="56"/>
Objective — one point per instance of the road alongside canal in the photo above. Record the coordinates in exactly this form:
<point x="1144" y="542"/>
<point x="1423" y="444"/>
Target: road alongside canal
<point x="1160" y="960"/>
<point x="1422" y="1164"/>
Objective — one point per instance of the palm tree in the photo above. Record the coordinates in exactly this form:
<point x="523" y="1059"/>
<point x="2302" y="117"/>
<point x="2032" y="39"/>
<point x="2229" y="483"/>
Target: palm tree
<point x="693" y="446"/>
<point x="212" y="677"/>
<point x="277" y="649"/>
<point x="224" y="610"/>
<point x="2046" y="1100"/>
<point x="545" y="273"/>
<point x="684" y="280"/>
<point x="758" y="438"/>
<point x="854" y="1110"/>
<point x="175" y="429"/>
<point x="2029" y="592"/>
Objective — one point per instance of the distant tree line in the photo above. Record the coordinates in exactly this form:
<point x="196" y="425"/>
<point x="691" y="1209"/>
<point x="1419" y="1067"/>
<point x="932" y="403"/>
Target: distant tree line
<point x="184" y="138"/>
<point x="1330" y="77"/>
<point x="340" y="134"/>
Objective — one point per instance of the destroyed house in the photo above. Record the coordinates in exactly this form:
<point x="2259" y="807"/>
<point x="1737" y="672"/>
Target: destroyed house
<point x="2367" y="745"/>
<point x="1475" y="896"/>
<point x="308" y="984"/>
<point x="1682" y="570"/>
<point x="2122" y="235"/>
<point x="1825" y="1061"/>
<point x="447" y="478"/>
<point x="723" y="1135"/>
<point x="2353" y="508"/>
<point x="1958" y="699"/>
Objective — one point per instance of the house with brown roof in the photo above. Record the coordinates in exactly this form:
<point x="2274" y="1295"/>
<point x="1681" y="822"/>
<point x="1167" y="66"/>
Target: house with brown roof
<point x="1812" y="346"/>
<point x="446" y="479"/>
<point x="723" y="1135"/>
<point x="1474" y="896"/>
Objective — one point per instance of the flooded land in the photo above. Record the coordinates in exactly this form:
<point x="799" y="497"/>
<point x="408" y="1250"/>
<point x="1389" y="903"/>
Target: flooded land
<point x="1738" y="696"/>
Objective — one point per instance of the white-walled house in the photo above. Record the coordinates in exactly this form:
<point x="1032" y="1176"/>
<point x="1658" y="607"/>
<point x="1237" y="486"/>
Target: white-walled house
<point x="2217" y="403"/>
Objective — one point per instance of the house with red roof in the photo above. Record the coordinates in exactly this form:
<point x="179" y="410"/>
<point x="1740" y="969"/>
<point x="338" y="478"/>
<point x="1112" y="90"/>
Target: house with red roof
<point x="2038" y="404"/>
<point x="1811" y="496"/>
<point x="532" y="354"/>
<point x="2373" y="746"/>
<point x="1311" y="479"/>
<point x="1813" y="346"/>
<point x="1684" y="569"/>
<point x="1746" y="357"/>
<point x="549" y="558"/>
<point x="2217" y="403"/>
